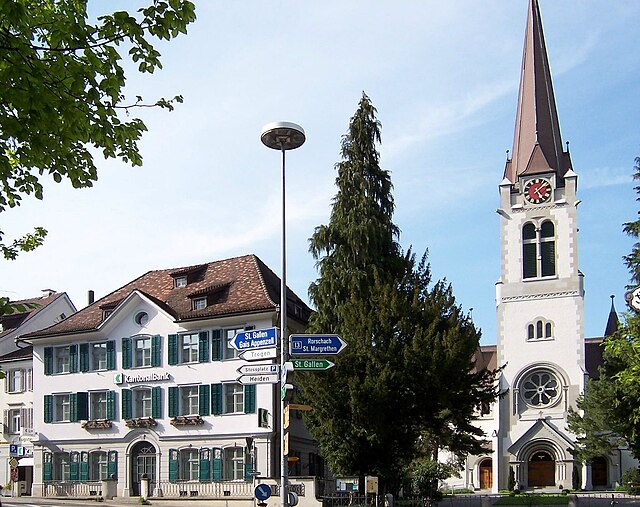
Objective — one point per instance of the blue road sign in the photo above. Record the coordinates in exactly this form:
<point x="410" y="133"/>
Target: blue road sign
<point x="255" y="339"/>
<point x="262" y="491"/>
<point x="317" y="344"/>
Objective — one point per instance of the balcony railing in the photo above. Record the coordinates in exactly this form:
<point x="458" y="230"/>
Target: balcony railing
<point x="239" y="489"/>
<point x="73" y="489"/>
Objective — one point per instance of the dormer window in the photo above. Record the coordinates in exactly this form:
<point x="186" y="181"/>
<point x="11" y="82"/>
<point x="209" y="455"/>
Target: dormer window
<point x="106" y="313"/>
<point x="199" y="303"/>
<point x="180" y="281"/>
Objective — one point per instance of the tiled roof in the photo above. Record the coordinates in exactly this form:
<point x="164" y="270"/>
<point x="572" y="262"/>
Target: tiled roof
<point x="24" y="353"/>
<point x="593" y="356"/>
<point x="239" y="285"/>
<point x="32" y="307"/>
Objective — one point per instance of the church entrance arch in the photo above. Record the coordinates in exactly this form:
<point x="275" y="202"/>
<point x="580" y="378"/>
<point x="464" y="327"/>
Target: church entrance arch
<point x="486" y="474"/>
<point x="599" y="476"/>
<point x="541" y="470"/>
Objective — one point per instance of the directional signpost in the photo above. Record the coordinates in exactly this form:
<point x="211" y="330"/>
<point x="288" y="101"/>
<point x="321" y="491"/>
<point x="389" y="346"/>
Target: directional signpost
<point x="265" y="378"/>
<point x="259" y="354"/>
<point x="311" y="364"/>
<point x="255" y="339"/>
<point x="316" y="344"/>
<point x="262" y="491"/>
<point x="258" y="369"/>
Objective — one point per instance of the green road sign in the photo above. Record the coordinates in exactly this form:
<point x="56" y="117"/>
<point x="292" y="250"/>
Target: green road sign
<point x="312" y="364"/>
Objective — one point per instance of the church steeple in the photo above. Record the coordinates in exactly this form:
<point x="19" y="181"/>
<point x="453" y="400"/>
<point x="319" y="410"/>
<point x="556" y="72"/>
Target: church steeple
<point x="612" y="322"/>
<point x="537" y="144"/>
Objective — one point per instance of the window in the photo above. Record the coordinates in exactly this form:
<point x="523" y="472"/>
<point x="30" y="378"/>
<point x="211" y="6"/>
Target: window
<point x="189" y="348"/>
<point x="62" y="408"/>
<point x="180" y="281"/>
<point x="142" y="402"/>
<point x="99" y="466"/>
<point x="540" y="388"/>
<point x="188" y="404"/>
<point x="233" y="398"/>
<point x="538" y="250"/>
<point x="189" y="464"/>
<point x="98" y="405"/>
<point x="141" y="318"/>
<point x="12" y="421"/>
<point x="234" y="463"/>
<point x="99" y="356"/>
<point x="200" y="303"/>
<point x="19" y="380"/>
<point x="63" y="359"/>
<point x="61" y="468"/>
<point x="540" y="330"/>
<point x="229" y="351"/>
<point x="142" y="351"/>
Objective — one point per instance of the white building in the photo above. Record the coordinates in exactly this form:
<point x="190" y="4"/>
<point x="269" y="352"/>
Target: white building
<point x="16" y="399"/>
<point x="539" y="304"/>
<point x="144" y="381"/>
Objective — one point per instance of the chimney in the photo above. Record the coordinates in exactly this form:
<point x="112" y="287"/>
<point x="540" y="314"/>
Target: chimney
<point x="91" y="297"/>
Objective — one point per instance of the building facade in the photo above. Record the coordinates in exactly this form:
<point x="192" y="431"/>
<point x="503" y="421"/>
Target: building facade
<point x="16" y="399"/>
<point x="145" y="383"/>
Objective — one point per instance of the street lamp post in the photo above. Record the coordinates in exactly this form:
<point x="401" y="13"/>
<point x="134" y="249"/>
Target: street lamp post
<point x="283" y="136"/>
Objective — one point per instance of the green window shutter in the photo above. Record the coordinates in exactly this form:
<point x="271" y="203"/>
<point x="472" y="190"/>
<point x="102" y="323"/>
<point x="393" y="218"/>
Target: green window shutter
<point x="156" y="357"/>
<point x="529" y="260"/>
<point x="111" y="355"/>
<point x="82" y="407"/>
<point x="84" y="357"/>
<point x="112" y="465"/>
<point x="74" y="468"/>
<point x="47" y="466"/>
<point x="48" y="360"/>
<point x="250" y="399"/>
<point x="204" y="399"/>
<point x="173" y="465"/>
<point x="548" y="254"/>
<point x="156" y="402"/>
<point x="126" y="353"/>
<point x="217" y="464"/>
<point x="216" y="345"/>
<point x="205" y="465"/>
<point x="127" y="407"/>
<point x="111" y="405"/>
<point x="173" y="349"/>
<point x="216" y="399"/>
<point x="173" y="401"/>
<point x="48" y="408"/>
<point x="203" y="347"/>
<point x="248" y="472"/>
<point x="73" y="407"/>
<point x="84" y="466"/>
<point x="73" y="358"/>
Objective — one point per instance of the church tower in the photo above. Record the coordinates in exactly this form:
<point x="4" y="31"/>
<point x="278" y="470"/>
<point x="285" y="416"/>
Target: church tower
<point x="540" y="294"/>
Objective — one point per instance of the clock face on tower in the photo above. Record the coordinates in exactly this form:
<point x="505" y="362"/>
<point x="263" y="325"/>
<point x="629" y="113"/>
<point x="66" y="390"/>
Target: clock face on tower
<point x="537" y="190"/>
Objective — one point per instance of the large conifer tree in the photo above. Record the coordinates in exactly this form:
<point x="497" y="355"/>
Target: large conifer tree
<point x="406" y="372"/>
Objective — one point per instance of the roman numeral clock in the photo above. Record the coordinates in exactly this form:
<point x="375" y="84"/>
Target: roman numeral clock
<point x="537" y="191"/>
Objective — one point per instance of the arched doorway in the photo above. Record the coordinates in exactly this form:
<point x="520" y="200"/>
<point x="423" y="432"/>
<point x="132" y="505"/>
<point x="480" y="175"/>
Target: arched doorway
<point x="542" y="470"/>
<point x="143" y="461"/>
<point x="486" y="474"/>
<point x="599" y="475"/>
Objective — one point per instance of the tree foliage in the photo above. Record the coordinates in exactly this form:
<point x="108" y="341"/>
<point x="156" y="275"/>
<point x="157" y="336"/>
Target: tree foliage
<point x="62" y="96"/>
<point x="609" y="410"/>
<point x="406" y="376"/>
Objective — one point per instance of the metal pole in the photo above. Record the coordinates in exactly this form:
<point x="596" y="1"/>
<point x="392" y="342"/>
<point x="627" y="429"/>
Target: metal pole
<point x="284" y="341"/>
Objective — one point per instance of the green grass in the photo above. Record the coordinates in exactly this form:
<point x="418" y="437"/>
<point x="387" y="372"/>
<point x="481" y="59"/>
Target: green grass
<point x="533" y="500"/>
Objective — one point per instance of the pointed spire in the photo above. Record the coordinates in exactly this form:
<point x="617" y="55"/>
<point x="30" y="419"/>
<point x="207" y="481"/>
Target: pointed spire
<point x="537" y="144"/>
<point x="612" y="321"/>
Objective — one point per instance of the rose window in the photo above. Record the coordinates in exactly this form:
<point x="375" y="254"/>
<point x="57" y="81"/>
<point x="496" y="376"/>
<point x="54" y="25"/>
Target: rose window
<point x="540" y="389"/>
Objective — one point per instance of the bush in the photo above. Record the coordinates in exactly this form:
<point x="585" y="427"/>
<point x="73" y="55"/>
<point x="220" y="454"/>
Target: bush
<point x="631" y="481"/>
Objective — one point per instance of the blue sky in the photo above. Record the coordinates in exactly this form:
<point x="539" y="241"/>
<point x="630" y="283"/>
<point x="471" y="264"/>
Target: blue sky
<point x="443" y="76"/>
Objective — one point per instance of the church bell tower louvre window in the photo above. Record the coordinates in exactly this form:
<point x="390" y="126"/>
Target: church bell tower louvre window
<point x="538" y="250"/>
<point x="539" y="330"/>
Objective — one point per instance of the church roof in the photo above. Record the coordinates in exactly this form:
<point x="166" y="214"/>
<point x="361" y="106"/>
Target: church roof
<point x="612" y="321"/>
<point x="537" y="144"/>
